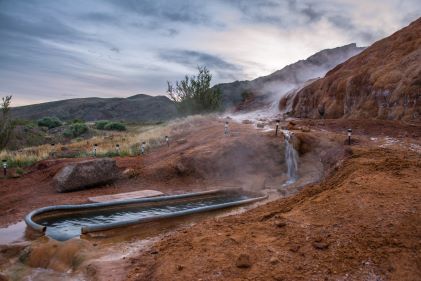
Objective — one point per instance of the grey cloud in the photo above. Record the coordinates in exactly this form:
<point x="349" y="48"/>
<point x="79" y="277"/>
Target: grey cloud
<point x="193" y="58"/>
<point x="100" y="18"/>
<point x="223" y="69"/>
<point x="115" y="50"/>
<point x="173" y="11"/>
<point x="312" y="13"/>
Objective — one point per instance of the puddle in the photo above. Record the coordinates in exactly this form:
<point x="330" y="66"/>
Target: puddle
<point x="12" y="233"/>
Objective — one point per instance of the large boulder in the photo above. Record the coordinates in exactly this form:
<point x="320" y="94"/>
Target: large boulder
<point x="85" y="174"/>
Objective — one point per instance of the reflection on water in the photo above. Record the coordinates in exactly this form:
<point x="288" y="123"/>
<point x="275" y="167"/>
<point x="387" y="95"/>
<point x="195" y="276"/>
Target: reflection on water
<point x="69" y="226"/>
<point x="12" y="233"/>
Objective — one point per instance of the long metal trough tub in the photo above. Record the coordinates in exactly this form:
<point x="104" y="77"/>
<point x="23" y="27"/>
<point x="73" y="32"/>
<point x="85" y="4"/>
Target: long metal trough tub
<point x="30" y="219"/>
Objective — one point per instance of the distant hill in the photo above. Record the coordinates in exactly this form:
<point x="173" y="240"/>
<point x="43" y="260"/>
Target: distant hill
<point x="138" y="108"/>
<point x="384" y="81"/>
<point x="271" y="87"/>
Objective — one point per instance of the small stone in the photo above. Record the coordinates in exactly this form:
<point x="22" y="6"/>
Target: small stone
<point x="273" y="260"/>
<point x="320" y="245"/>
<point x="181" y="141"/>
<point x="180" y="267"/>
<point x="294" y="248"/>
<point x="281" y="224"/>
<point x="243" y="261"/>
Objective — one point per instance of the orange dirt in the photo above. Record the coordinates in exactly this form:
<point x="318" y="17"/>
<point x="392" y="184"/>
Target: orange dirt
<point x="363" y="222"/>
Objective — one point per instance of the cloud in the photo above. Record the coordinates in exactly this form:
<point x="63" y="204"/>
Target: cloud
<point x="81" y="48"/>
<point x="192" y="59"/>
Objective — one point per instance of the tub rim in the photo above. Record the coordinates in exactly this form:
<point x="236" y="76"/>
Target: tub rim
<point x="106" y="226"/>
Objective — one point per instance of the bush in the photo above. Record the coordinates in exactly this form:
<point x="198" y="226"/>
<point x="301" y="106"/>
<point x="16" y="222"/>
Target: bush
<point x="49" y="122"/>
<point x="115" y="126"/>
<point x="101" y="124"/>
<point x="77" y="120"/>
<point x="75" y="130"/>
<point x="193" y="95"/>
<point x="110" y="126"/>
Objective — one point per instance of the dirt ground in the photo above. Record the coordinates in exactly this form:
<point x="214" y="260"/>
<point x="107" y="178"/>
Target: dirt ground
<point x="202" y="159"/>
<point x="361" y="222"/>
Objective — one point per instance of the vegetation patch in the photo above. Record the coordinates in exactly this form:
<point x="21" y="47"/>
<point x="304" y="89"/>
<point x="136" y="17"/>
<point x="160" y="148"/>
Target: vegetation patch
<point x="110" y="125"/>
<point x="49" y="122"/>
<point x="75" y="130"/>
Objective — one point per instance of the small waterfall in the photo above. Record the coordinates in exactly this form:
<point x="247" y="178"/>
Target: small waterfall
<point x="291" y="158"/>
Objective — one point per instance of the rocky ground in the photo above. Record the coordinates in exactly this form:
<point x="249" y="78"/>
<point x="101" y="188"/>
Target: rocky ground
<point x="361" y="222"/>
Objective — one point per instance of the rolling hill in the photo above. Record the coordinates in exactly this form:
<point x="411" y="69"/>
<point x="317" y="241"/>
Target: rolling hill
<point x="138" y="108"/>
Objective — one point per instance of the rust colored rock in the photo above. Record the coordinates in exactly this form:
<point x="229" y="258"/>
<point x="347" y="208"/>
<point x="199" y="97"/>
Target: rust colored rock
<point x="86" y="174"/>
<point x="320" y="245"/>
<point x="181" y="141"/>
<point x="243" y="261"/>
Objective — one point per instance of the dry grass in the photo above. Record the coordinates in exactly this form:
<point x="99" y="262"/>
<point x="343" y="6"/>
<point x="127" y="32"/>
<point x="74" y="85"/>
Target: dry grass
<point x="129" y="142"/>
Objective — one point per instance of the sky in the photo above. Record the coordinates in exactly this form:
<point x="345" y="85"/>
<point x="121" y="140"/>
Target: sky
<point x="57" y="49"/>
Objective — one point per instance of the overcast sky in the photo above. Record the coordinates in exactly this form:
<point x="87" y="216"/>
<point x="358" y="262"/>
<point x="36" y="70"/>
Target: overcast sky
<point x="57" y="49"/>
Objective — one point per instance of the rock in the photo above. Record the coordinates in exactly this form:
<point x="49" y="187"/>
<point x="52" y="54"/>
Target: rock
<point x="281" y="224"/>
<point x="305" y="129"/>
<point x="130" y="173"/>
<point x="181" y="141"/>
<point x="247" y="121"/>
<point x="180" y="267"/>
<point x="273" y="260"/>
<point x="3" y="277"/>
<point x="290" y="126"/>
<point x="180" y="168"/>
<point x="243" y="261"/>
<point x="260" y="125"/>
<point x="85" y="174"/>
<point x="320" y="245"/>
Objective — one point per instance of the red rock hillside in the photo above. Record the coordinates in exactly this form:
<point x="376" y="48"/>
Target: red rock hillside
<point x="384" y="82"/>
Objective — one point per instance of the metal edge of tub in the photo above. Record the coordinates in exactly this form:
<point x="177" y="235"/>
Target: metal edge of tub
<point x="41" y="228"/>
<point x="107" y="226"/>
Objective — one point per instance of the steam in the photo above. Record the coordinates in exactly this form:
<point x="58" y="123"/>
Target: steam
<point x="287" y="81"/>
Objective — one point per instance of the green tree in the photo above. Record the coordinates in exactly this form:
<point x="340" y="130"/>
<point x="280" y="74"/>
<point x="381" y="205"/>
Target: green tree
<point x="6" y="125"/>
<point x="194" y="95"/>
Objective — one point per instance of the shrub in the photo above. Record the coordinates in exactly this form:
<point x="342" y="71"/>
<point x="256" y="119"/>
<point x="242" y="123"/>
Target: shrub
<point x="75" y="130"/>
<point x="49" y="122"/>
<point x="110" y="125"/>
<point x="101" y="124"/>
<point x="6" y="124"/>
<point x="115" y="126"/>
<point x="193" y="95"/>
<point x="77" y="120"/>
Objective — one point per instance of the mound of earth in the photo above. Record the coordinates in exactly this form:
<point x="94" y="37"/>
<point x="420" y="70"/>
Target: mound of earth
<point x="384" y="81"/>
